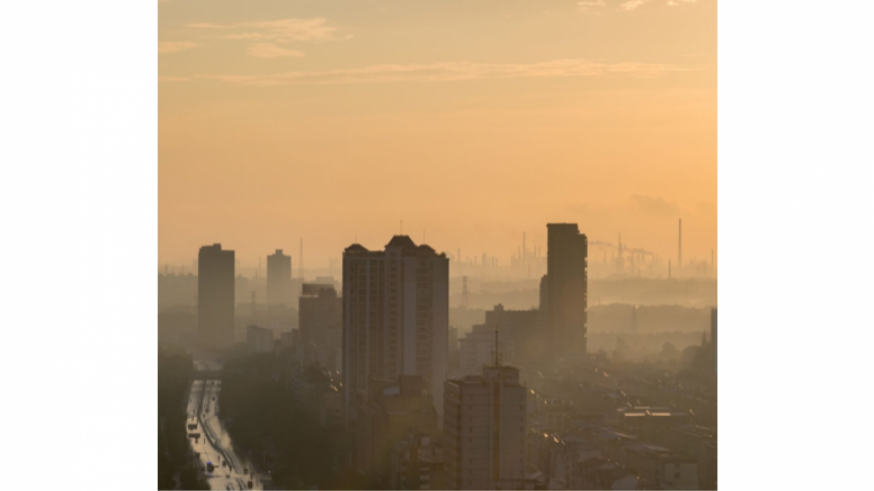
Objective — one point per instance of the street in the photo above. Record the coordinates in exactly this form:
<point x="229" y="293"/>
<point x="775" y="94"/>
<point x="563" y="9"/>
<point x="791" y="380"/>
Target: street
<point x="214" y="444"/>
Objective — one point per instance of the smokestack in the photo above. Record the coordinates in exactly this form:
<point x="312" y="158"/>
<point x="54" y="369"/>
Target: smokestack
<point x="680" y="247"/>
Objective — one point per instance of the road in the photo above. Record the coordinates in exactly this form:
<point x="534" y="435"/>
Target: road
<point x="214" y="443"/>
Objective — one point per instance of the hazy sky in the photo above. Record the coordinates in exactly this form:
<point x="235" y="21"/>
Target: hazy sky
<point x="475" y="120"/>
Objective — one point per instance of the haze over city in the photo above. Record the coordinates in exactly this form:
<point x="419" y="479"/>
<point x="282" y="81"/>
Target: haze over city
<point x="437" y="244"/>
<point x="471" y="122"/>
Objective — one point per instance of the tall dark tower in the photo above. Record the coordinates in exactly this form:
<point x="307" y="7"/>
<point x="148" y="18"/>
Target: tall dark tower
<point x="215" y="295"/>
<point x="567" y="289"/>
<point x="279" y="279"/>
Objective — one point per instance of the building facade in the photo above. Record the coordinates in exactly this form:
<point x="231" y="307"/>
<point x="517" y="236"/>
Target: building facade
<point x="279" y="279"/>
<point x="259" y="339"/>
<point x="566" y="289"/>
<point x="485" y="430"/>
<point x="320" y="313"/>
<point x="215" y="296"/>
<point x="395" y="317"/>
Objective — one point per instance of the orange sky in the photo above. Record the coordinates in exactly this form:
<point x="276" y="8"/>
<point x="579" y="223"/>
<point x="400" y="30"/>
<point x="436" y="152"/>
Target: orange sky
<point x="476" y="120"/>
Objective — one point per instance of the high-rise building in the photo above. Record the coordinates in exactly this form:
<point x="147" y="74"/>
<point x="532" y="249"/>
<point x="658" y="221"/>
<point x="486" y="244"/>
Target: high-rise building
<point x="388" y="411"/>
<point x="279" y="279"/>
<point x="259" y="339"/>
<point x="215" y="295"/>
<point x="567" y="289"/>
<point x="320" y="315"/>
<point x="395" y="317"/>
<point x="485" y="430"/>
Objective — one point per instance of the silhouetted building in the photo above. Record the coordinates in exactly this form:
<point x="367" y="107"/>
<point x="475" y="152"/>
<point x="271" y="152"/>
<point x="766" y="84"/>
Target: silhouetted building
<point x="388" y="411"/>
<point x="485" y="430"/>
<point x="566" y="289"/>
<point x="320" y="315"/>
<point x="176" y="290"/>
<point x="395" y="316"/>
<point x="259" y="339"/>
<point x="215" y="295"/>
<point x="519" y="339"/>
<point x="519" y="330"/>
<point x="279" y="279"/>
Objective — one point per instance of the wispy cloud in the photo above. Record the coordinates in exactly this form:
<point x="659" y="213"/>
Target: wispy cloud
<point x="279" y="31"/>
<point x="454" y="71"/>
<point x="632" y="4"/>
<point x="590" y="6"/>
<point x="267" y="50"/>
<point x="174" y="46"/>
<point x="601" y="6"/>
